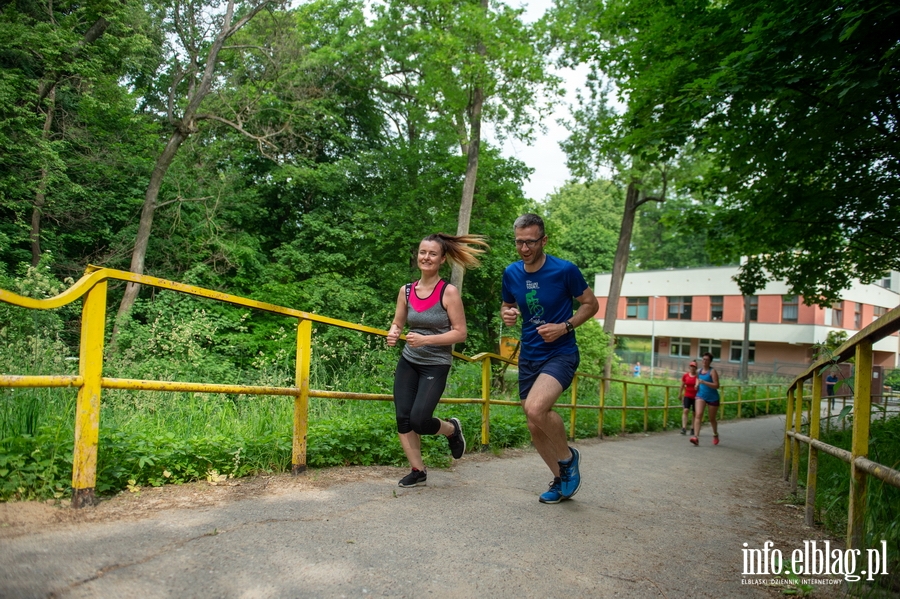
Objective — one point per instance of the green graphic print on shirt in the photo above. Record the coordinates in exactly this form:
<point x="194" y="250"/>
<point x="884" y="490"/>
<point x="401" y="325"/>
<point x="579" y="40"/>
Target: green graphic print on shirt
<point x="534" y="305"/>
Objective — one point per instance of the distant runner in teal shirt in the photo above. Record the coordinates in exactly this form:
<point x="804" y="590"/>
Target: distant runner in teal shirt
<point x="707" y="396"/>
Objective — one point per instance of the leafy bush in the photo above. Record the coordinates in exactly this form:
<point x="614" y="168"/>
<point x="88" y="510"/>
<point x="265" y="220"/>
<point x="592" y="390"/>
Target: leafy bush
<point x="174" y="338"/>
<point x="833" y="491"/>
<point x="35" y="467"/>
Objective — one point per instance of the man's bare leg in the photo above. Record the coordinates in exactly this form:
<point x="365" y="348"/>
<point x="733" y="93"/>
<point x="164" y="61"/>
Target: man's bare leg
<point x="548" y="433"/>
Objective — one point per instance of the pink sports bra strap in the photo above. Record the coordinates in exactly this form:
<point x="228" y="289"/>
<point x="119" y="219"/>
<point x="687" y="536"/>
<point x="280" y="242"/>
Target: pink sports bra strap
<point x="420" y="305"/>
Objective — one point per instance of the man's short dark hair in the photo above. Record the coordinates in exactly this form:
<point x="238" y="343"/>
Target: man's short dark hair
<point x="529" y="220"/>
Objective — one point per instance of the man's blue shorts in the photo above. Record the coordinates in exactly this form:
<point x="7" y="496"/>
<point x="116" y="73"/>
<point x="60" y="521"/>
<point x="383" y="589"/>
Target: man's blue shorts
<point x="562" y="367"/>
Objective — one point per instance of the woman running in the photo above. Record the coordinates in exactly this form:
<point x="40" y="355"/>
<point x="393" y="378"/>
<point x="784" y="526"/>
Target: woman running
<point x="433" y="310"/>
<point x="707" y="395"/>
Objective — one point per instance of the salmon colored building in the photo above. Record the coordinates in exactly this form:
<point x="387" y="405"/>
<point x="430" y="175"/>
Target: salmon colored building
<point x="687" y="312"/>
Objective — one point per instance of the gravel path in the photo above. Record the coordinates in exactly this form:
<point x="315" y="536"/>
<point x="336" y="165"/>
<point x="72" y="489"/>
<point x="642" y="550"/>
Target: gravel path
<point x="655" y="517"/>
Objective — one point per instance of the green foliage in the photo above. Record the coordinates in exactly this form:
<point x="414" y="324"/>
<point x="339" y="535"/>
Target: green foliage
<point x="177" y="339"/>
<point x="35" y="467"/>
<point x="438" y="53"/>
<point x="582" y="223"/>
<point x="593" y="345"/>
<point x="892" y="379"/>
<point x="34" y="341"/>
<point x="772" y="99"/>
<point x="68" y="131"/>
<point x="362" y="441"/>
<point x="666" y="237"/>
<point x="835" y="339"/>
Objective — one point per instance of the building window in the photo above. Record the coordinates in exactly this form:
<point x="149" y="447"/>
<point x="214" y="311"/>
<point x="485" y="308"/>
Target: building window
<point x="857" y="316"/>
<point x="789" y="308"/>
<point x="716" y="308"/>
<point x="754" y="307"/>
<point x="679" y="307"/>
<point x="736" y="349"/>
<point x="711" y="346"/>
<point x="837" y="314"/>
<point x="879" y="311"/>
<point x="637" y="308"/>
<point x="680" y="346"/>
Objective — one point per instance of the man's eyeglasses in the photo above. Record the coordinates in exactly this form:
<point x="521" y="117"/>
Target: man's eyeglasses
<point x="529" y="243"/>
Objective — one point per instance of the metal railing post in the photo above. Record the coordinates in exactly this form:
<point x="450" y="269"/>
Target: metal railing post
<point x="624" y="404"/>
<point x="862" y="412"/>
<point x="666" y="408"/>
<point x="603" y="383"/>
<point x="301" y="400"/>
<point x="812" y="468"/>
<point x="788" y="418"/>
<point x="795" y="444"/>
<point x="646" y="406"/>
<point x="87" y="406"/>
<point x="486" y="401"/>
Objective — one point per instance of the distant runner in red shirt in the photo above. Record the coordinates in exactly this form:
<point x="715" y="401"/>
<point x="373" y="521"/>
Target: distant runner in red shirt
<point x="688" y="394"/>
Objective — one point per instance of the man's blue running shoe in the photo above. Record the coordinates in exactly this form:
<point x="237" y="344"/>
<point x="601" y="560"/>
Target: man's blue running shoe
<point x="569" y="476"/>
<point x="552" y="495"/>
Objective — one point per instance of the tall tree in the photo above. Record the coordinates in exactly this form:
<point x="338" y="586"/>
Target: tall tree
<point x="795" y="109"/>
<point x="60" y="63"/>
<point x="194" y="59"/>
<point x="598" y="143"/>
<point x="452" y="65"/>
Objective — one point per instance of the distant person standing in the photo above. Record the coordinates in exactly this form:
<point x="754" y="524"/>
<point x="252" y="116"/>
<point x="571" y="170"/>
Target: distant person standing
<point x="540" y="288"/>
<point x="637" y="370"/>
<point x="707" y="395"/>
<point x="830" y="381"/>
<point x="688" y="394"/>
<point x="433" y="309"/>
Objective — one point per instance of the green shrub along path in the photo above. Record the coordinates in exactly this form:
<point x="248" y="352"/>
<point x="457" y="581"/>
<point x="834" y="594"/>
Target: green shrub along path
<point x="655" y="517"/>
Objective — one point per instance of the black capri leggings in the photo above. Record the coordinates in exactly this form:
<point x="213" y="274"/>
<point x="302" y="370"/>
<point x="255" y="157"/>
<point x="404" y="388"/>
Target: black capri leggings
<point x="417" y="391"/>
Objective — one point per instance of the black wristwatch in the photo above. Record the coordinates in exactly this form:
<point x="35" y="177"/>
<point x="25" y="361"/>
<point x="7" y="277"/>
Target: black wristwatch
<point x="569" y="326"/>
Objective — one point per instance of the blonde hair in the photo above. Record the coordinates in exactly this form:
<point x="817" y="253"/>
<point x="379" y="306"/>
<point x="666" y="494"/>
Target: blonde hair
<point x="458" y="248"/>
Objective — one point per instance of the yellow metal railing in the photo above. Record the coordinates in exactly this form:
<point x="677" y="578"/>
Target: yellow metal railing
<point x="90" y="380"/>
<point x="739" y="402"/>
<point x="858" y="347"/>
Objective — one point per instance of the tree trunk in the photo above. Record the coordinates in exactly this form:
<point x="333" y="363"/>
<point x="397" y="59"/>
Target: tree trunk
<point x="145" y="225"/>
<point x="184" y="128"/>
<point x="40" y="197"/>
<point x="745" y="352"/>
<point x="468" y="192"/>
<point x="471" y="149"/>
<point x="620" y="265"/>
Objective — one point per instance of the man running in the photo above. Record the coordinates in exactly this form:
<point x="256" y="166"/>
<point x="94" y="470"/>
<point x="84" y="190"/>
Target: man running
<point x="541" y="288"/>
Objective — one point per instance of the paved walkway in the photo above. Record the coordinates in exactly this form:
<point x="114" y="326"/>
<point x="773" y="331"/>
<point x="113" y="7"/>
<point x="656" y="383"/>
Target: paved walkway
<point x="655" y="517"/>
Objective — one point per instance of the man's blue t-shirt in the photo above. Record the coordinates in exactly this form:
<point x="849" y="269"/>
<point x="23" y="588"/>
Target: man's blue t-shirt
<point x="543" y="297"/>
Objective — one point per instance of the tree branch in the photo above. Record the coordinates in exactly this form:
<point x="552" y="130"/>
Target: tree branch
<point x="261" y="140"/>
<point x="179" y="200"/>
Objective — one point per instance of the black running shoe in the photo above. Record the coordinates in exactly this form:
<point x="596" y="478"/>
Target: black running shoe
<point x="456" y="440"/>
<point x="414" y="478"/>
